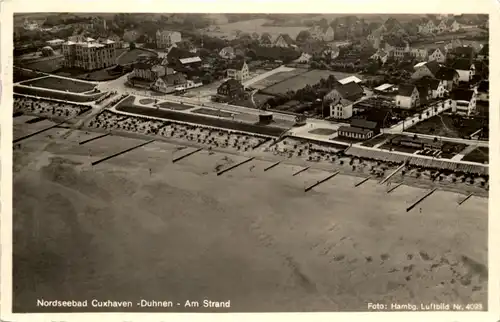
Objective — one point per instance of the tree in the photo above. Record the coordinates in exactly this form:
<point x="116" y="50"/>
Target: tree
<point x="132" y="45"/>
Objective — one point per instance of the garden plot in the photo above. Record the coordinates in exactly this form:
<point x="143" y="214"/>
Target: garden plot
<point x="448" y="126"/>
<point x="175" y="106"/>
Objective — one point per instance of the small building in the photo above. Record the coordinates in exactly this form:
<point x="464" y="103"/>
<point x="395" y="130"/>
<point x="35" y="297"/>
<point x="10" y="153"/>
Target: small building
<point x="420" y="54"/>
<point x="349" y="79"/>
<point x="429" y="69"/>
<point x="436" y="86"/>
<point x="266" y="40"/>
<point x="284" y="40"/>
<point x="397" y="48"/>
<point x="238" y="70"/>
<point x="195" y="60"/>
<point x="167" y="38"/>
<point x="303" y="59"/>
<point x="408" y="97"/>
<point x="380" y="54"/>
<point x="150" y="70"/>
<point x="449" y="77"/>
<point x="424" y="93"/>
<point x="437" y="54"/>
<point x="331" y="52"/>
<point x="462" y="52"/>
<point x="463" y="101"/>
<point x="355" y="133"/>
<point x="324" y="33"/>
<point x="55" y="43"/>
<point x="342" y="109"/>
<point x="427" y="26"/>
<point x="231" y="88"/>
<point x="465" y="69"/>
<point x="359" y="129"/>
<point x="384" y="89"/>
<point x="227" y="53"/>
<point x="170" y="83"/>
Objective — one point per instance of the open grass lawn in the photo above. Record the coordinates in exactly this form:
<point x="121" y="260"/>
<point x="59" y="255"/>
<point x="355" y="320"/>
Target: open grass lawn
<point x="20" y="75"/>
<point x="175" y="106"/>
<point x="300" y="81"/>
<point x="128" y="106"/>
<point x="212" y="112"/>
<point x="131" y="56"/>
<point x="61" y="84"/>
<point x="57" y="95"/>
<point x="146" y="101"/>
<point x="442" y="125"/>
<point x="322" y="131"/>
<point x="376" y="140"/>
<point x="278" y="77"/>
<point x="45" y="65"/>
<point x="479" y="154"/>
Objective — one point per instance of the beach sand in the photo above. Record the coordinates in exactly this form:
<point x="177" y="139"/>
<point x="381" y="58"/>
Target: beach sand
<point x="114" y="231"/>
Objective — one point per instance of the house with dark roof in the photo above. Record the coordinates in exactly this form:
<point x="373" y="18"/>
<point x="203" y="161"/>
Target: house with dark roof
<point x="484" y="53"/>
<point x="355" y="133"/>
<point x="407" y="97"/>
<point x="231" y="88"/>
<point x="170" y="83"/>
<point x="424" y="93"/>
<point x="238" y="70"/>
<point x="466" y="69"/>
<point x="342" y="109"/>
<point x="360" y="129"/>
<point x="436" y="86"/>
<point x="463" y="101"/>
<point x="449" y="76"/>
<point x="428" y="25"/>
<point x="462" y="52"/>
<point x="324" y="33"/>
<point x="227" y="53"/>
<point x="428" y="69"/>
<point x="284" y="40"/>
<point x="437" y="54"/>
<point x="351" y="91"/>
<point x="150" y="69"/>
<point x="266" y="40"/>
<point x="396" y="47"/>
<point x="380" y="54"/>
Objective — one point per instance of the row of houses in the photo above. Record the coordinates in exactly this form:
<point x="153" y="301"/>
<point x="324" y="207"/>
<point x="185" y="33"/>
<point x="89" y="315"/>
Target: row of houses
<point x="401" y="50"/>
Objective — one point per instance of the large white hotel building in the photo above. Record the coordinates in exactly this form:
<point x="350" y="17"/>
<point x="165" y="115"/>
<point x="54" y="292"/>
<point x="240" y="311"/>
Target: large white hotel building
<point x="88" y="54"/>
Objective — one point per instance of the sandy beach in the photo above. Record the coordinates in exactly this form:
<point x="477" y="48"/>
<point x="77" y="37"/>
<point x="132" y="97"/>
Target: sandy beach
<point x="139" y="226"/>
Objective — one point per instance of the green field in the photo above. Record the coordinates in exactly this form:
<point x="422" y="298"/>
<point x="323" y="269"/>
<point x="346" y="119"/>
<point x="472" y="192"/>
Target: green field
<point x="131" y="56"/>
<point x="61" y="84"/>
<point x="312" y="77"/>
